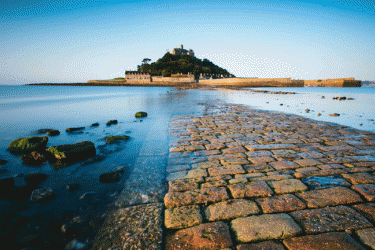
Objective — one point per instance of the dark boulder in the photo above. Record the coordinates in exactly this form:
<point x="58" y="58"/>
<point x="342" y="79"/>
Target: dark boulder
<point x="53" y="132"/>
<point x="110" y="122"/>
<point x="35" y="178"/>
<point x="70" y="153"/>
<point x="109" y="177"/>
<point x="72" y="187"/>
<point x="23" y="192"/>
<point x="6" y="187"/>
<point x="334" y="114"/>
<point x="70" y="229"/>
<point x="42" y="194"/>
<point x="140" y="114"/>
<point x="34" y="158"/>
<point x="307" y="110"/>
<point x="3" y="162"/>
<point x="26" y="145"/>
<point x="115" y="138"/>
<point x="95" y="124"/>
<point x="71" y="130"/>
<point x="42" y="131"/>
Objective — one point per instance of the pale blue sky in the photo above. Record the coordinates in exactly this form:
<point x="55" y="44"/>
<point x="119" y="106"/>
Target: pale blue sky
<point x="76" y="40"/>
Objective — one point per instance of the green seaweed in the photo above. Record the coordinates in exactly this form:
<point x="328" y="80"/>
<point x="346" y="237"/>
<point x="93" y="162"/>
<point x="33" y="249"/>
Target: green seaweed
<point x="115" y="138"/>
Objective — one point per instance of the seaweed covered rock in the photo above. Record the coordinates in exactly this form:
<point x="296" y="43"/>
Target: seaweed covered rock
<point x="70" y="153"/>
<point x="53" y="132"/>
<point x="42" y="131"/>
<point x="140" y="114"/>
<point x="115" y="138"/>
<point x="27" y="145"/>
<point x="95" y="124"/>
<point x="42" y="194"/>
<point x="110" y="177"/>
<point x="71" y="130"/>
<point x="110" y="122"/>
<point x="33" y="158"/>
<point x="35" y="178"/>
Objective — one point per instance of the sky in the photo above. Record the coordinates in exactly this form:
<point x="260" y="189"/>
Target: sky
<point x="67" y="41"/>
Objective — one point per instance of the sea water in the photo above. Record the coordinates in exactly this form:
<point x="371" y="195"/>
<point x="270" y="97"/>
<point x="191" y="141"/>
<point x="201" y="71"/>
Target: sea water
<point x="358" y="113"/>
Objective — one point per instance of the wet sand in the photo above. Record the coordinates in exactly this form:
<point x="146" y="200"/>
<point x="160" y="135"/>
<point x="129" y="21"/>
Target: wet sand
<point x="240" y="178"/>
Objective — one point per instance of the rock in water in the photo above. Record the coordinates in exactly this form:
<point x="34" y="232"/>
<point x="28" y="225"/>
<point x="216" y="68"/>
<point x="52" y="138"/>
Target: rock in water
<point x="115" y="138"/>
<point x="53" y="132"/>
<point x="109" y="177"/>
<point x="95" y="124"/>
<point x="70" y="130"/>
<point x="140" y="114"/>
<point x="6" y="186"/>
<point x="35" y="178"/>
<point x="42" y="194"/>
<point x="33" y="158"/>
<point x="110" y="122"/>
<point x="26" y="145"/>
<point x="70" y="153"/>
<point x="334" y="114"/>
<point x="72" y="187"/>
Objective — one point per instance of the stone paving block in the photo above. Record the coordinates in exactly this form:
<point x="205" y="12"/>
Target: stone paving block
<point x="256" y="168"/>
<point x="363" y="158"/>
<point x="252" y="189"/>
<point x="330" y="219"/>
<point x="231" y="209"/>
<point x="197" y="173"/>
<point x="234" y="161"/>
<point x="280" y="203"/>
<point x="237" y="180"/>
<point x="207" y="164"/>
<point x="261" y="159"/>
<point x="272" y="177"/>
<point x="182" y="185"/>
<point x="333" y="160"/>
<point x="270" y="147"/>
<point x="329" y="197"/>
<point x="265" y="227"/>
<point x="194" y="148"/>
<point x="284" y="165"/>
<point x="265" y="245"/>
<point x="258" y="153"/>
<point x="219" y="183"/>
<point x="307" y="169"/>
<point x="359" y="178"/>
<point x="250" y="175"/>
<point x="207" y="236"/>
<point x="202" y="196"/>
<point x="307" y="162"/>
<point x="183" y="217"/>
<point x="224" y="170"/>
<point x="288" y="186"/>
<point x="207" y="152"/>
<point x="218" y="178"/>
<point x="176" y="175"/>
<point x="320" y="182"/>
<point x="177" y="168"/>
<point x="311" y="154"/>
<point x="234" y="150"/>
<point x="367" y="237"/>
<point x="366" y="190"/>
<point x="331" y="241"/>
<point x="214" y="146"/>
<point x="220" y="157"/>
<point x="367" y="210"/>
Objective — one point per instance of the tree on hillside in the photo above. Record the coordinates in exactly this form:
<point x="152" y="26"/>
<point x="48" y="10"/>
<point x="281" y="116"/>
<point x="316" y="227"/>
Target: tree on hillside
<point x="146" y="60"/>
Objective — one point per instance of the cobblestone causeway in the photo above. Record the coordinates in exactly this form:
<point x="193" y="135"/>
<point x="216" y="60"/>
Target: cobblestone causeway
<point x="240" y="178"/>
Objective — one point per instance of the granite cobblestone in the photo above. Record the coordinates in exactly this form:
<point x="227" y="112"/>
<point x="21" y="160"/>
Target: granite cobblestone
<point x="265" y="180"/>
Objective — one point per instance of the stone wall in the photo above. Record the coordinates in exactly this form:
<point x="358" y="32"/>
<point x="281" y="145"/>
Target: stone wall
<point x="255" y="82"/>
<point x="337" y="82"/>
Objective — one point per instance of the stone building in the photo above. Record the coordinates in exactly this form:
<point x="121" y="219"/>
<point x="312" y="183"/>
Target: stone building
<point x="136" y="75"/>
<point x="182" y="51"/>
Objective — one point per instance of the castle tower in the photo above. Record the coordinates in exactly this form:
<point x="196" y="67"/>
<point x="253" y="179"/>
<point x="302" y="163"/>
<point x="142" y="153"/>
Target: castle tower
<point x="181" y="46"/>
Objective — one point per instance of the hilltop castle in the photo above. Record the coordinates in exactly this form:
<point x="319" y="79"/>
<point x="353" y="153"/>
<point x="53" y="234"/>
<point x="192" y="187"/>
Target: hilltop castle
<point x="182" y="51"/>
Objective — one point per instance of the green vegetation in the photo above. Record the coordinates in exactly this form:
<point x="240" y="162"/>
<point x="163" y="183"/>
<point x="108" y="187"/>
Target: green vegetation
<point x="173" y="64"/>
<point x="23" y="145"/>
<point x="140" y="114"/>
<point x="115" y="138"/>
